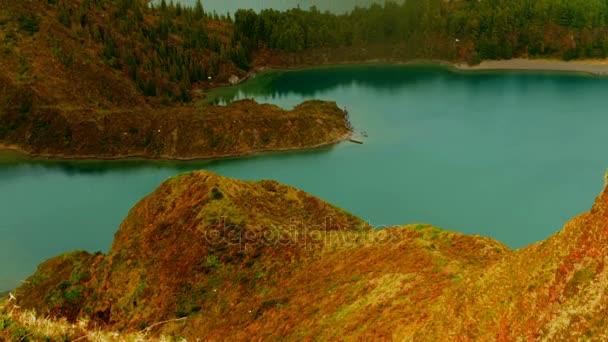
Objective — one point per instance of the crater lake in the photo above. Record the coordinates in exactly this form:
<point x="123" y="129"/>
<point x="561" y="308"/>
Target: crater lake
<point x="509" y="155"/>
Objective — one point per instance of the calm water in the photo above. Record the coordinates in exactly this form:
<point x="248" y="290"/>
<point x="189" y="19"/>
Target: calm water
<point x="511" y="156"/>
<point x="230" y="6"/>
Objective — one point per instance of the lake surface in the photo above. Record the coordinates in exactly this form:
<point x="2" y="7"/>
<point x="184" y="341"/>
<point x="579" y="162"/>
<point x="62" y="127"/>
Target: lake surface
<point x="512" y="156"/>
<point x="231" y="6"/>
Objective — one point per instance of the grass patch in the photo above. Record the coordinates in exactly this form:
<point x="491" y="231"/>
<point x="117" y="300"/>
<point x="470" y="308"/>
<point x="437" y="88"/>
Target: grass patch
<point x="213" y="262"/>
<point x="580" y="278"/>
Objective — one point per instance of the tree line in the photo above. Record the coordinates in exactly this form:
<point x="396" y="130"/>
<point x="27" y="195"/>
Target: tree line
<point x="470" y="30"/>
<point x="166" y="48"/>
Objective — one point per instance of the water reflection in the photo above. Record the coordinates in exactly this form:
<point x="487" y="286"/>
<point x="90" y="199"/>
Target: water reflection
<point x="311" y="83"/>
<point x="13" y="166"/>
<point x="230" y="6"/>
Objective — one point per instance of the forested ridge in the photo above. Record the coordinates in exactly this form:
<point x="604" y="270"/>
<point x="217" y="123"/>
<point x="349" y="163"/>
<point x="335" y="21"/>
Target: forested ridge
<point x="165" y="48"/>
<point x="177" y="47"/>
<point x="454" y="30"/>
<point x="108" y="79"/>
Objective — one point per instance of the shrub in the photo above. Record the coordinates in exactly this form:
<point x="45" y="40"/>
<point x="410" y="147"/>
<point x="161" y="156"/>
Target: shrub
<point x="74" y="294"/>
<point x="29" y="23"/>
<point x="215" y="141"/>
<point x="213" y="261"/>
<point x="19" y="334"/>
<point x="216" y="194"/>
<point x="5" y="322"/>
<point x="25" y="107"/>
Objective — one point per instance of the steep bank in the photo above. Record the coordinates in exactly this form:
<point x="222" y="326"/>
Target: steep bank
<point x="219" y="258"/>
<point x="188" y="132"/>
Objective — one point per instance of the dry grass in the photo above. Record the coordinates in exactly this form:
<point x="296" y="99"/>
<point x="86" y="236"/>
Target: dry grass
<point x="27" y="325"/>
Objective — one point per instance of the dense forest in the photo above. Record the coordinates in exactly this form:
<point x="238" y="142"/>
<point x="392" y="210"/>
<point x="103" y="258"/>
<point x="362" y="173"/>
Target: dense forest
<point x="461" y="30"/>
<point x="166" y="48"/>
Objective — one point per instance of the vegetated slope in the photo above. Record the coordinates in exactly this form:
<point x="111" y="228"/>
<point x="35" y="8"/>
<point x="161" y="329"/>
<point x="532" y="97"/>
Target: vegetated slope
<point x="556" y="289"/>
<point x="469" y="31"/>
<point x="105" y="79"/>
<point x="237" y="260"/>
<point x="197" y="246"/>
<point x="241" y="128"/>
<point x="74" y="70"/>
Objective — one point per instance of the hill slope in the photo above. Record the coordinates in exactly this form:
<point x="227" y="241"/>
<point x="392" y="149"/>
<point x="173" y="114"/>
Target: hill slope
<point x="111" y="79"/>
<point x="98" y="78"/>
<point x="225" y="259"/>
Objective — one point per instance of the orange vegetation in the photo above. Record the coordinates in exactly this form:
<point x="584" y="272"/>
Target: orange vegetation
<point x="237" y="260"/>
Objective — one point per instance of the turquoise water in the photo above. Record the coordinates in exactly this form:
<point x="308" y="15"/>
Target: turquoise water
<point x="512" y="156"/>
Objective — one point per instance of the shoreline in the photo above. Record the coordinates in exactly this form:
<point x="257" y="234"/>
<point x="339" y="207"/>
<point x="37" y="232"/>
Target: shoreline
<point x="61" y="157"/>
<point x="595" y="67"/>
<point x="598" y="68"/>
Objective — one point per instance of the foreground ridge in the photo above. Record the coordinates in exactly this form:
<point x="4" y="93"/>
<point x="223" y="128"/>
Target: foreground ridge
<point x="208" y="256"/>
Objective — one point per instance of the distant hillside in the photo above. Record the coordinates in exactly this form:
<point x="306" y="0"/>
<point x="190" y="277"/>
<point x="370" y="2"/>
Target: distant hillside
<point x="218" y="258"/>
<point x="113" y="70"/>
<point x="469" y="31"/>
<point x="104" y="79"/>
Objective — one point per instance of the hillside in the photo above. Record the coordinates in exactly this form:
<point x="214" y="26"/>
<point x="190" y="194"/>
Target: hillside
<point x="100" y="78"/>
<point x="114" y="79"/>
<point x="455" y="31"/>
<point x="219" y="258"/>
<point x="241" y="128"/>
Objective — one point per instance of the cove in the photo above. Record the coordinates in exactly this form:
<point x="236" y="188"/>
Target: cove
<point x="508" y="155"/>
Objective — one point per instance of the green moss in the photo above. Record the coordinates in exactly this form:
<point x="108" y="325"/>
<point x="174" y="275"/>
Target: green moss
<point x="581" y="277"/>
<point x="74" y="294"/>
<point x="213" y="262"/>
<point x="18" y="333"/>
<point x="259" y="275"/>
<point x="79" y="275"/>
<point x="584" y="275"/>
<point x="420" y="227"/>
<point x="139" y="291"/>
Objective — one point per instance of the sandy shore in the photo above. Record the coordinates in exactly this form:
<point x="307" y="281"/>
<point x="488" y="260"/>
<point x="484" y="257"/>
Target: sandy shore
<point x="597" y="67"/>
<point x="594" y="67"/>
